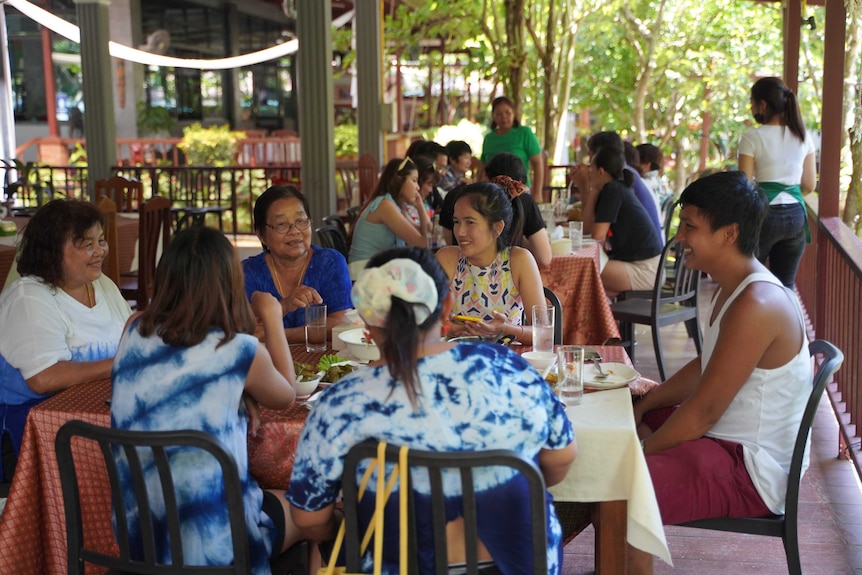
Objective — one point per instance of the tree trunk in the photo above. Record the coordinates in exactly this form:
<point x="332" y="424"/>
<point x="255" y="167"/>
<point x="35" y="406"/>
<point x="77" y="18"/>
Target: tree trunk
<point x="514" y="78"/>
<point x="853" y="108"/>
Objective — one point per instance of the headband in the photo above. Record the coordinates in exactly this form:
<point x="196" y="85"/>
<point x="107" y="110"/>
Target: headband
<point x="513" y="188"/>
<point x="403" y="278"/>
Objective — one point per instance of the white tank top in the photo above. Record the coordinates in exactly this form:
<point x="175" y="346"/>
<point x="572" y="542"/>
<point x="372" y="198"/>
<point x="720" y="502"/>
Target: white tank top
<point x="764" y="416"/>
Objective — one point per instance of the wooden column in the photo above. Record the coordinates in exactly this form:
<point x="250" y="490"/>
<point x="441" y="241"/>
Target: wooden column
<point x="369" y="77"/>
<point x="792" y="20"/>
<point x="99" y="127"/>
<point x="316" y="105"/>
<point x="833" y="106"/>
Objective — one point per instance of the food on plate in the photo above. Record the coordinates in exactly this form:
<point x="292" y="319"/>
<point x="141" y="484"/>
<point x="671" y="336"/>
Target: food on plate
<point x="551" y="377"/>
<point x="335" y="367"/>
<point x="327" y="360"/>
<point x="304" y="371"/>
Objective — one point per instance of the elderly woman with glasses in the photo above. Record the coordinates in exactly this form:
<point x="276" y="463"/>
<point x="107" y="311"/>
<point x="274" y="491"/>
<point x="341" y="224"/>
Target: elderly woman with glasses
<point x="297" y="273"/>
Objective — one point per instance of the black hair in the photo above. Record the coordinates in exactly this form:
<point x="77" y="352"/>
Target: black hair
<point x="403" y="335"/>
<point x="504" y="100"/>
<point x="779" y="100"/>
<point x="271" y="195"/>
<point x="651" y="154"/>
<point x="494" y="204"/>
<point x="457" y="148"/>
<point x="392" y="178"/>
<point x="506" y="164"/>
<point x="605" y="140"/>
<point x="727" y="198"/>
<point x="612" y="161"/>
<point x="44" y="238"/>
<point x="633" y="159"/>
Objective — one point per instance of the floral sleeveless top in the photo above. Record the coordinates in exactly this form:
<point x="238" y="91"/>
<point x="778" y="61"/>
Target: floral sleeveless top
<point x="479" y="291"/>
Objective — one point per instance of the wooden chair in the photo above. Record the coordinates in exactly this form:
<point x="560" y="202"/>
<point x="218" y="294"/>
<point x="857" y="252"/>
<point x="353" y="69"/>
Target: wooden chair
<point x="672" y="300"/>
<point x="127" y="195"/>
<point x="154" y="234"/>
<point x="284" y="134"/>
<point x="785" y="526"/>
<point x="111" y="263"/>
<point x="433" y="467"/>
<point x="150" y="500"/>
<point x="368" y="174"/>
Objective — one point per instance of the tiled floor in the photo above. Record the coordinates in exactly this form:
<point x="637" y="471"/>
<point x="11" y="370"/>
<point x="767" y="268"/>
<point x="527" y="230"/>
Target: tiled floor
<point x="830" y="524"/>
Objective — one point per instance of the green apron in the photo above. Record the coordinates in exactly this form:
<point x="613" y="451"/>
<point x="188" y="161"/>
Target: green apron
<point x="772" y="189"/>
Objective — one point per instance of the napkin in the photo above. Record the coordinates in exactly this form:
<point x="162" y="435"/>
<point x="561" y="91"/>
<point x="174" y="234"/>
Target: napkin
<point x="557" y="233"/>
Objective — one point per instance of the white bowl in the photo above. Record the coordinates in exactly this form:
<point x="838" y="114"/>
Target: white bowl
<point x="305" y="387"/>
<point x="540" y="360"/>
<point x="358" y="346"/>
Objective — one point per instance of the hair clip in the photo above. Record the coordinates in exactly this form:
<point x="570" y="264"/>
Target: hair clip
<point x="404" y="163"/>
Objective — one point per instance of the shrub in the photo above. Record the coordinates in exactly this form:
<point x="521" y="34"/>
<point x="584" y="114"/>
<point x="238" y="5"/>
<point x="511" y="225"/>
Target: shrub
<point x="215" y="146"/>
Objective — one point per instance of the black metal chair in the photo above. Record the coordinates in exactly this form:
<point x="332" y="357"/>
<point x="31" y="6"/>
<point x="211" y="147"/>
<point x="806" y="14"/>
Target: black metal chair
<point x="785" y="526"/>
<point x="331" y="237"/>
<point x="336" y="221"/>
<point x="464" y="464"/>
<point x="558" y="314"/>
<point x="673" y="300"/>
<point x="131" y="444"/>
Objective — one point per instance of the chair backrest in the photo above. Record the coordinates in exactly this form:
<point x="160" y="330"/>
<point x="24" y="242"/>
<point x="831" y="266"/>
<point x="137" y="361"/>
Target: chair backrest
<point x="830" y="362"/>
<point x="368" y="174"/>
<point x="558" y="314"/>
<point x="127" y="195"/>
<point x="138" y="445"/>
<point x="331" y="237"/>
<point x="155" y="226"/>
<point x="111" y="265"/>
<point x="336" y="221"/>
<point x="669" y="208"/>
<point x="465" y="464"/>
<point x="680" y="286"/>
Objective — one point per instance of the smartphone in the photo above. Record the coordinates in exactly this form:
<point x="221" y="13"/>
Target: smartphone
<point x="467" y="318"/>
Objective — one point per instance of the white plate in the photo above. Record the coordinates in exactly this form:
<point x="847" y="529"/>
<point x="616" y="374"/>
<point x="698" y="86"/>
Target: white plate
<point x="619" y="375"/>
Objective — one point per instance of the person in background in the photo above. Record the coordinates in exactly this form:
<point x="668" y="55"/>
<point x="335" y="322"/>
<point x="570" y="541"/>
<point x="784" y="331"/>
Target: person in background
<point x="508" y="135"/>
<point x="187" y="362"/>
<point x="719" y="434"/>
<point x="507" y="171"/>
<point x="62" y="319"/>
<point x="460" y="162"/>
<point x="384" y="221"/>
<point x="611" y="206"/>
<point x="294" y="271"/>
<point x="423" y="383"/>
<point x="492" y="279"/>
<point x="652" y="172"/>
<point x="581" y="177"/>
<point x="429" y="179"/>
<point x="779" y="157"/>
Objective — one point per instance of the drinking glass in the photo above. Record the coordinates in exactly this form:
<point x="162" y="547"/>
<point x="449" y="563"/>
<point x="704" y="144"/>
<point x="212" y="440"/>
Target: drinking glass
<point x="570" y="374"/>
<point x="315" y="327"/>
<point x="576" y="235"/>
<point x="543" y="327"/>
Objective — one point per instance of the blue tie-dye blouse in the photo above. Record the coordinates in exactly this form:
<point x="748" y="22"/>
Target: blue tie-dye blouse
<point x="161" y="387"/>
<point x="474" y="397"/>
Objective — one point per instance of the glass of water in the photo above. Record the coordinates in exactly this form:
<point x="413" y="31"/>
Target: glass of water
<point x="576" y="235"/>
<point x="543" y="327"/>
<point x="570" y="374"/>
<point x="315" y="328"/>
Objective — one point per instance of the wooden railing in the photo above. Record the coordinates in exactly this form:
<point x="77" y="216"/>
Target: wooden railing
<point x="830" y="286"/>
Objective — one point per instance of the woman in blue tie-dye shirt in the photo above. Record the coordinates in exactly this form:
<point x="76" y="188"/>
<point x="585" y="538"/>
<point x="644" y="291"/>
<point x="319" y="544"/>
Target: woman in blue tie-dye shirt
<point x="430" y="394"/>
<point x="187" y="362"/>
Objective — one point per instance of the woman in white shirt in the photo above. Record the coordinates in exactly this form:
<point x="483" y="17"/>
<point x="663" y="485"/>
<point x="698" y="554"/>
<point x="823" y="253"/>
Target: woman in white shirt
<point x="778" y="157"/>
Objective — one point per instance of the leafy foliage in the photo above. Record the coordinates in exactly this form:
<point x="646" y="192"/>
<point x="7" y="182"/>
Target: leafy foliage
<point x="215" y="146"/>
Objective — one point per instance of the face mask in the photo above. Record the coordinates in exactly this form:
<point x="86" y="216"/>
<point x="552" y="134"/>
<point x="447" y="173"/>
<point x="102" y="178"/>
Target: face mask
<point x="760" y="118"/>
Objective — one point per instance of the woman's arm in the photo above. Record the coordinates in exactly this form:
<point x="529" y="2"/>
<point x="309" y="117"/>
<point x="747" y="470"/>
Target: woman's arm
<point x="390" y="215"/>
<point x="555" y="463"/>
<point x="271" y="376"/>
<point x="297" y="334"/>
<point x="537" y="181"/>
<point x="746" y="165"/>
<point x="321" y="525"/>
<point x="809" y="175"/>
<point x="65" y="374"/>
<point x="539" y="245"/>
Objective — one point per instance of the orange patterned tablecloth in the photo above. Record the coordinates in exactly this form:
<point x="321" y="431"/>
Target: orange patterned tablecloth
<point x="587" y="316"/>
<point x="33" y="526"/>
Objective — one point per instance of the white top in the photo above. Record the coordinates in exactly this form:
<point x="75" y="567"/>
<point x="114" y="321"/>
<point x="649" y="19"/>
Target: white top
<point x="778" y="156"/>
<point x="43" y="325"/>
<point x="765" y="414"/>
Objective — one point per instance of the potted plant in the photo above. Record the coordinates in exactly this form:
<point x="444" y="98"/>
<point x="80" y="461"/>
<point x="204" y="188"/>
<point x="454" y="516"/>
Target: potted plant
<point x="28" y="180"/>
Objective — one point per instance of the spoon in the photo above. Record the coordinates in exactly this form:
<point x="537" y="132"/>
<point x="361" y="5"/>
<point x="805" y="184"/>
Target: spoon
<point x="601" y="374"/>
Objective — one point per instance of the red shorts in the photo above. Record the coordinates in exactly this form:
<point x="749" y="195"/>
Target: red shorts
<point x="701" y="479"/>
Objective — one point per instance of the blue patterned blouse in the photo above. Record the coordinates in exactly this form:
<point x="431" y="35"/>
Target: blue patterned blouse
<point x="160" y="387"/>
<point x="474" y="397"/>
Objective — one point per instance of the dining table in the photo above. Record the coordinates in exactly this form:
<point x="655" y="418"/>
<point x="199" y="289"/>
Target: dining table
<point x="574" y="277"/>
<point x="33" y="528"/>
<point x="127" y="238"/>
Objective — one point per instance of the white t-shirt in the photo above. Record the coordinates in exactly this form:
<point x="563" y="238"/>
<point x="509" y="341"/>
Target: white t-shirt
<point x="778" y="155"/>
<point x="43" y="325"/>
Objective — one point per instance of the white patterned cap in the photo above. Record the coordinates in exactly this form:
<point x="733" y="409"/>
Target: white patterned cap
<point x="401" y="277"/>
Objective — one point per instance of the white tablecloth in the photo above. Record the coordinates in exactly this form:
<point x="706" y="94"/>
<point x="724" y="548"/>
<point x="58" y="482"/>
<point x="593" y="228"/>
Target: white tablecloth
<point x="610" y="466"/>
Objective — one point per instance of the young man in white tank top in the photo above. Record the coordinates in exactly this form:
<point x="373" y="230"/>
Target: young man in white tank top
<point x="719" y="434"/>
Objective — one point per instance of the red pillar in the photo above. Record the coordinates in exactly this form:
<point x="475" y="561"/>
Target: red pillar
<point x="792" y="19"/>
<point x="833" y="100"/>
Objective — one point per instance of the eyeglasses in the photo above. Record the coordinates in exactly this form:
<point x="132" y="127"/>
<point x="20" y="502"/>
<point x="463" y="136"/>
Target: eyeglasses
<point x="282" y="228"/>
